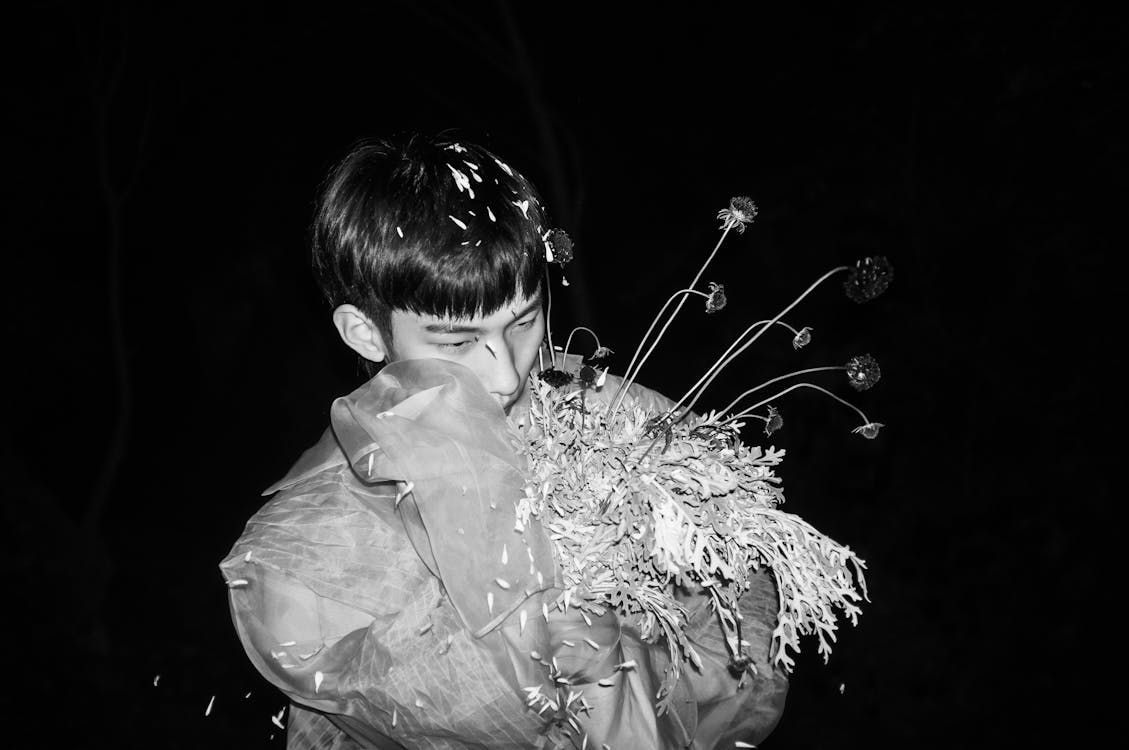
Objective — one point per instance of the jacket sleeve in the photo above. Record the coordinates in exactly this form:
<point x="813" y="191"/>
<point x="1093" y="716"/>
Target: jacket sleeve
<point x="732" y="708"/>
<point x="334" y="607"/>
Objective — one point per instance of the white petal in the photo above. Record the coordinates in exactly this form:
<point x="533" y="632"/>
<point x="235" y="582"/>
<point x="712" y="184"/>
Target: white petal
<point x="208" y="710"/>
<point x="318" y="677"/>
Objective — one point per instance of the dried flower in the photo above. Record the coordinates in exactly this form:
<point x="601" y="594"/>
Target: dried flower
<point x="561" y="246"/>
<point x="741" y="211"/>
<point x="868" y="430"/>
<point x="774" y="421"/>
<point x="716" y="300"/>
<point x="802" y="339"/>
<point x="868" y="279"/>
<point x="863" y="372"/>
<point x="602" y="352"/>
<point x="556" y="378"/>
<point x="587" y="376"/>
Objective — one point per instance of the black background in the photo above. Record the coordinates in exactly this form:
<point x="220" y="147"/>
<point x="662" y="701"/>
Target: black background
<point x="169" y="356"/>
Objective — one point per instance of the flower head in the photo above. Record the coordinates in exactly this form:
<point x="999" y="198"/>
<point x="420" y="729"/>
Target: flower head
<point x="868" y="279"/>
<point x="774" y="421"/>
<point x="602" y="352"/>
<point x="561" y="244"/>
<point x="802" y="339"/>
<point x="863" y="372"/>
<point x="868" y="430"/>
<point x="587" y="376"/>
<point x="556" y="378"/>
<point x="716" y="300"/>
<point x="741" y="211"/>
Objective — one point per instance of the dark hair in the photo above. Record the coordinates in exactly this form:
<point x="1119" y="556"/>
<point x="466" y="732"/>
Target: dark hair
<point x="435" y="226"/>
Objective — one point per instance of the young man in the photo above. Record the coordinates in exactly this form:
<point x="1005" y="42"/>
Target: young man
<point x="369" y="589"/>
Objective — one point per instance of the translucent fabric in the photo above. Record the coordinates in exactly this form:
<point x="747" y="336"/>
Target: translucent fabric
<point x="388" y="586"/>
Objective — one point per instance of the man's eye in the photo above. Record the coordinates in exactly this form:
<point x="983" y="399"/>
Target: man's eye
<point x="455" y="346"/>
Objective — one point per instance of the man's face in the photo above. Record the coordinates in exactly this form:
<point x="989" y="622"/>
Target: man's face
<point x="500" y="348"/>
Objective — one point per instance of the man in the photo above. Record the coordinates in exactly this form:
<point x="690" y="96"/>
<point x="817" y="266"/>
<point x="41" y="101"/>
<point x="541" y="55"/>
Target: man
<point x="370" y="589"/>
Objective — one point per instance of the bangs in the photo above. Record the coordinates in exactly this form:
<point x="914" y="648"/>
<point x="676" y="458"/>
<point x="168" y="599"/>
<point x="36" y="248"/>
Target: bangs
<point x="460" y="282"/>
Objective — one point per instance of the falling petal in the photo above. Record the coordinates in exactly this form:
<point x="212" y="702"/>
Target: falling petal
<point x="521" y="622"/>
<point x="208" y="710"/>
<point x="288" y="643"/>
<point x="237" y="583"/>
<point x="318" y="677"/>
<point x="156" y="680"/>
<point x="535" y="656"/>
<point x="629" y="664"/>
<point x="567" y="642"/>
<point x="247" y="696"/>
<point x="490" y="601"/>
<point x="605" y="682"/>
<point x="395" y="715"/>
<point x="247" y="557"/>
<point x="490" y="214"/>
<point x="545" y="610"/>
<point x="587" y="619"/>
<point x="371" y="456"/>
<point x="426" y="627"/>
<point x="842" y="688"/>
<point x="502" y="583"/>
<point x="738" y="743"/>
<point x="505" y="555"/>
<point x="419" y="703"/>
<point x="459" y="223"/>
<point x="400" y="232"/>
<point x="592" y="643"/>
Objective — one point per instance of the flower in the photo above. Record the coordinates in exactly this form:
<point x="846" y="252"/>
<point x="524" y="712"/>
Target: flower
<point x="587" y="376"/>
<point x="863" y="372"/>
<point x="716" y="299"/>
<point x="561" y="247"/>
<point x="868" y="279"/>
<point x="868" y="430"/>
<point x="556" y="378"/>
<point x="741" y="211"/>
<point x="602" y="352"/>
<point x="802" y="339"/>
<point x="774" y="421"/>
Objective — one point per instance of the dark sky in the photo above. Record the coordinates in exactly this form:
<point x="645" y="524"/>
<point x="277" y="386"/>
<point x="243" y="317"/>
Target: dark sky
<point x="170" y="357"/>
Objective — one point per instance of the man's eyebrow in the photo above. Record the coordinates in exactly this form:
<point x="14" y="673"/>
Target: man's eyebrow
<point x="451" y="328"/>
<point x="533" y="304"/>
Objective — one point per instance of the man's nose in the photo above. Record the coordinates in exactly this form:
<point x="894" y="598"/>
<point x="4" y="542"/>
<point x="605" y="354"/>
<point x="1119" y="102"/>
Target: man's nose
<point x="501" y="374"/>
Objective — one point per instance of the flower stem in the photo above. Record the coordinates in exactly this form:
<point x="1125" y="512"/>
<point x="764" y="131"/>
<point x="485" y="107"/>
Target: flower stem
<point x="748" y="412"/>
<point x="630" y="376"/>
<point x="724" y="361"/>
<point x="549" y="317"/>
<point x="568" y="341"/>
<point x="733" y="403"/>
<point x="727" y="351"/>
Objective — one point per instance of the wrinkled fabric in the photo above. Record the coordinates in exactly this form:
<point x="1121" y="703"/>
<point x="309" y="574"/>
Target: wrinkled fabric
<point x="373" y="590"/>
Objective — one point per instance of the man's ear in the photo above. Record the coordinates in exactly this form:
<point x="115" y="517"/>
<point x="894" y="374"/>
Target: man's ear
<point x="359" y="333"/>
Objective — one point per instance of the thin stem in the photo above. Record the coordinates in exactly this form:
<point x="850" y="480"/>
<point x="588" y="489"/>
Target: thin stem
<point x="732" y="346"/>
<point x="733" y="403"/>
<point x="629" y="376"/>
<point x="748" y="412"/>
<point x="654" y="322"/>
<point x="568" y="341"/>
<point x="549" y="317"/>
<point x="781" y="314"/>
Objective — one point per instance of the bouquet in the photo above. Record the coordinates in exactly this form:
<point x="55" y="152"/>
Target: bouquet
<point x="640" y="502"/>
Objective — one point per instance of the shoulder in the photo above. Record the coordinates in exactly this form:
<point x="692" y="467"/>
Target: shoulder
<point x="339" y="537"/>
